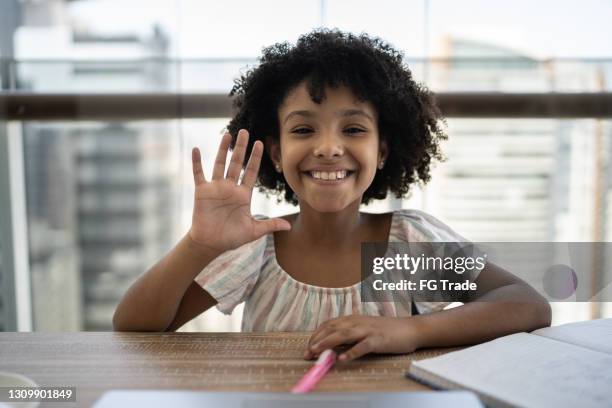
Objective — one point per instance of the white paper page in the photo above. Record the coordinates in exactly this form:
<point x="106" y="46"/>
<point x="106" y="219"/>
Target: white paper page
<point x="592" y="334"/>
<point x="530" y="371"/>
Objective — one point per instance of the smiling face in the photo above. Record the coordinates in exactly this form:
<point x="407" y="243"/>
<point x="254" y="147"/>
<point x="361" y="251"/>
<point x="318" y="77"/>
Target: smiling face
<point x="328" y="152"/>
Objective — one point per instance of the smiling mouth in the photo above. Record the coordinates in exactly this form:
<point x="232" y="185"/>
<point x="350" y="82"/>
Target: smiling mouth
<point x="320" y="180"/>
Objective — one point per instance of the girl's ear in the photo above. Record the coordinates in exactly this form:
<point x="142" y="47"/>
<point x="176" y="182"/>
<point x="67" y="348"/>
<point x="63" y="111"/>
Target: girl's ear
<point x="383" y="151"/>
<point x="274" y="152"/>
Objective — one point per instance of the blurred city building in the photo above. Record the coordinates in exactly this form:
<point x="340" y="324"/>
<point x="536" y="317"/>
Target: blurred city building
<point x="100" y="195"/>
<point x="3" y="323"/>
<point x="516" y="179"/>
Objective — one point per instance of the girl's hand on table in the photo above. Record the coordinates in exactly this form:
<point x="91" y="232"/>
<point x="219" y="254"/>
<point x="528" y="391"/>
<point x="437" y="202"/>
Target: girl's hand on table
<point x="222" y="217"/>
<point x="367" y="334"/>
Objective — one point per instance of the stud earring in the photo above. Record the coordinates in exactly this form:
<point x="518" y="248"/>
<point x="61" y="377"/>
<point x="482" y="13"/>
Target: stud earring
<point x="381" y="164"/>
<point x="278" y="167"/>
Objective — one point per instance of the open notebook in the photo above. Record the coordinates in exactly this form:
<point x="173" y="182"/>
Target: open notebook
<point x="562" y="366"/>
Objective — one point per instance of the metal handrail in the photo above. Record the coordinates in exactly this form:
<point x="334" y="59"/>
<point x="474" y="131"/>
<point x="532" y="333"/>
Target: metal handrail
<point x="22" y="106"/>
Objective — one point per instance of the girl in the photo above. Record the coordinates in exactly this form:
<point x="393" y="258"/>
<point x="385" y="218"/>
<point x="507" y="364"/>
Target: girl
<point x="331" y="123"/>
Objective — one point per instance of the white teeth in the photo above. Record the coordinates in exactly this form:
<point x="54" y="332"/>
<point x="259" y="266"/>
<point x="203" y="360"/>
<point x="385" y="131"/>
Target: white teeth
<point x="334" y="175"/>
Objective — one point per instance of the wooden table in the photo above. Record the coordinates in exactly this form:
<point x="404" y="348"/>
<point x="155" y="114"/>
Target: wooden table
<point x="97" y="362"/>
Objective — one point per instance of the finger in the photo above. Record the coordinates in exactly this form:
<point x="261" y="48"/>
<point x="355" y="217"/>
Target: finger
<point x="219" y="167"/>
<point x="325" y="328"/>
<point x="337" y="338"/>
<point x="320" y="333"/>
<point x="250" y="173"/>
<point x="196" y="164"/>
<point x="360" y="349"/>
<point x="316" y="337"/>
<point x="264" y="227"/>
<point x="323" y="331"/>
<point x="233" y="172"/>
<point x="308" y="354"/>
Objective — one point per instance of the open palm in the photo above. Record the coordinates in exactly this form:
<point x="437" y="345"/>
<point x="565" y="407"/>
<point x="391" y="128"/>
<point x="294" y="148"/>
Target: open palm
<point x="222" y="217"/>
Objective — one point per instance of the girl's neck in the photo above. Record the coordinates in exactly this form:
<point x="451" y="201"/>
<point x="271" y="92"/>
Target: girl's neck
<point x="332" y="230"/>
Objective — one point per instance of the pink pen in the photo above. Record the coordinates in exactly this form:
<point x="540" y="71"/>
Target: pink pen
<point x="323" y="364"/>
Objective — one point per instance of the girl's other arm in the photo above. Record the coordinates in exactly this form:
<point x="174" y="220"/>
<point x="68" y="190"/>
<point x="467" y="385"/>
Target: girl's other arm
<point x="156" y="303"/>
<point x="195" y="302"/>
<point x="501" y="305"/>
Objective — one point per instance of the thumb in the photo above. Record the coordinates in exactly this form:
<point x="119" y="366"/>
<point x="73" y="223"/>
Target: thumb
<point x="274" y="224"/>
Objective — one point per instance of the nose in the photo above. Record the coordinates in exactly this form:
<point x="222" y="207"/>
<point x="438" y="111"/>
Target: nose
<point x="328" y="145"/>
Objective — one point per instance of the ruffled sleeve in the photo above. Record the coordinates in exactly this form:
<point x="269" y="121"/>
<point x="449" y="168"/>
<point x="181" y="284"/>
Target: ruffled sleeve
<point x="418" y="226"/>
<point x="231" y="276"/>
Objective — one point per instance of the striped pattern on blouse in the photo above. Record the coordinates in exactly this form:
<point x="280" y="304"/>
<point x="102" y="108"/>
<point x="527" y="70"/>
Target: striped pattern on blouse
<point x="277" y="302"/>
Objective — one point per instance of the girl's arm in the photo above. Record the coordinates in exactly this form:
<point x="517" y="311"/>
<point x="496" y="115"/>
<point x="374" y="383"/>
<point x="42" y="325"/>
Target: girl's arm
<point x="195" y="301"/>
<point x="166" y="296"/>
<point x="502" y="304"/>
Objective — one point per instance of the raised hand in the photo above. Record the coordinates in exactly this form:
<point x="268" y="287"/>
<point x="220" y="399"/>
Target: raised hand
<point x="222" y="217"/>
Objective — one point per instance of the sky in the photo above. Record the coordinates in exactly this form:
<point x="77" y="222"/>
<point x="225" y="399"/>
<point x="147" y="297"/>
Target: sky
<point x="239" y="28"/>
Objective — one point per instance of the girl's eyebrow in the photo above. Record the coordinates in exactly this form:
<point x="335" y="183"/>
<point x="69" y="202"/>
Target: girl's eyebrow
<point x="355" y="112"/>
<point x="305" y="113"/>
<point x="343" y="113"/>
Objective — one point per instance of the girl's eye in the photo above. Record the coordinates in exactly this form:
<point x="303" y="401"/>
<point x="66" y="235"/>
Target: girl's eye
<point x="301" y="131"/>
<point x="354" y="130"/>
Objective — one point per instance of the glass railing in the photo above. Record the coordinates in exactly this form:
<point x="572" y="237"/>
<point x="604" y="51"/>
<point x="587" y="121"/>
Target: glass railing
<point x="106" y="198"/>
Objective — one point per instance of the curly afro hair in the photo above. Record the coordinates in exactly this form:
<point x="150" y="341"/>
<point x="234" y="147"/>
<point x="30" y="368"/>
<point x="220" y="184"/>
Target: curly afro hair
<point x="408" y="118"/>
